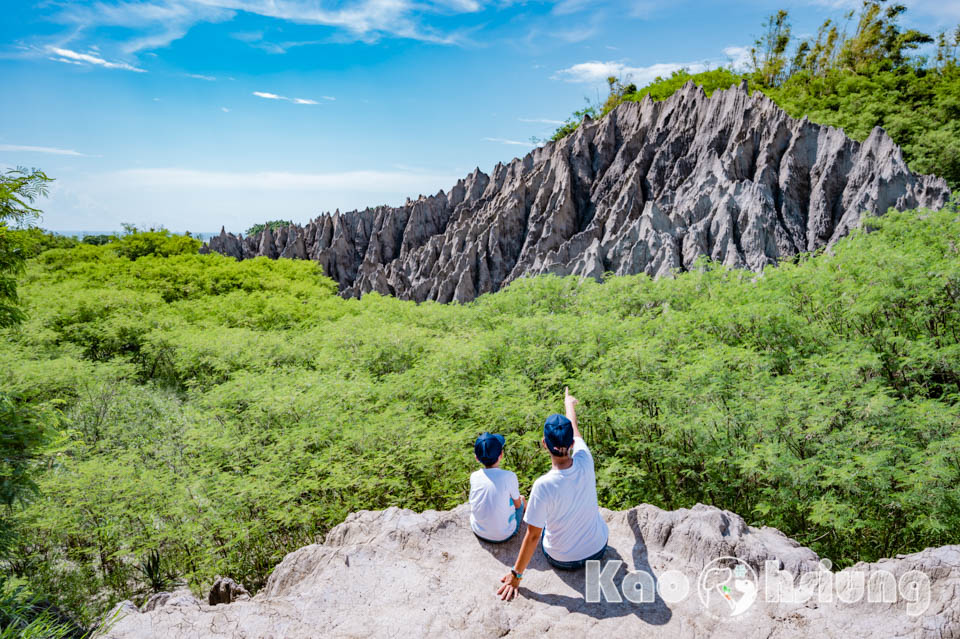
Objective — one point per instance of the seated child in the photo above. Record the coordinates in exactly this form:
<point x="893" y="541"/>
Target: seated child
<point x="496" y="507"/>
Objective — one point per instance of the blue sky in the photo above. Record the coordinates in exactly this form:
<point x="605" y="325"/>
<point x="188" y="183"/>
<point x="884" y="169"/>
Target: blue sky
<point x="194" y="114"/>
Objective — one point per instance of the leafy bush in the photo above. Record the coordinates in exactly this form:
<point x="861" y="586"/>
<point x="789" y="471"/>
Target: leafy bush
<point x="35" y="241"/>
<point x="155" y="242"/>
<point x="273" y="225"/>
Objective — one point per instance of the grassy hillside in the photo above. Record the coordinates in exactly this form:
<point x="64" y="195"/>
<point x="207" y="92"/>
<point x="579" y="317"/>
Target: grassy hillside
<point x="213" y="415"/>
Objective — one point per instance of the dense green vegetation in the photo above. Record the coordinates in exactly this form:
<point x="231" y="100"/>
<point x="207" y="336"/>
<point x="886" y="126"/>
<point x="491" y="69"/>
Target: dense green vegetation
<point x="273" y="225"/>
<point x="855" y="82"/>
<point x="214" y="414"/>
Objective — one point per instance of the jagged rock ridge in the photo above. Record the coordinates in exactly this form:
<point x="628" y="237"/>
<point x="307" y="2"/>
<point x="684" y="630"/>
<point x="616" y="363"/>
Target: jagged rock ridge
<point x="397" y="573"/>
<point x="647" y="189"/>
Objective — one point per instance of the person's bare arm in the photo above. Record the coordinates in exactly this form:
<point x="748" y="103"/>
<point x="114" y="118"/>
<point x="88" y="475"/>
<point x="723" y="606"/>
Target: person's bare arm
<point x="511" y="585"/>
<point x="570" y="402"/>
<point x="518" y="502"/>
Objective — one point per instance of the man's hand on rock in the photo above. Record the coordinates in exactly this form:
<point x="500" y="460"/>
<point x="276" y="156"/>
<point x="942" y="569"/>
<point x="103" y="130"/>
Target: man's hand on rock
<point x="510" y="587"/>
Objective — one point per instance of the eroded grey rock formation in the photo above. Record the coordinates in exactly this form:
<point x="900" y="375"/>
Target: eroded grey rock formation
<point x="396" y="573"/>
<point x="647" y="189"/>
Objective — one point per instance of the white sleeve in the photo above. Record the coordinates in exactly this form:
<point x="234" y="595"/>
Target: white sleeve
<point x="514" y="486"/>
<point x="580" y="450"/>
<point x="536" y="513"/>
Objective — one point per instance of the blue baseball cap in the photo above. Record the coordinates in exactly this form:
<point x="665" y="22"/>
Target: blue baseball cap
<point x="557" y="433"/>
<point x="488" y="448"/>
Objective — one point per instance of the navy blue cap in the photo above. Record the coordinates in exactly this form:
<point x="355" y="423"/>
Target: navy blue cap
<point x="557" y="433"/>
<point x="488" y="448"/>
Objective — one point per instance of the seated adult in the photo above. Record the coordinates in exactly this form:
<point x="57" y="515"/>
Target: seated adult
<point x="562" y="512"/>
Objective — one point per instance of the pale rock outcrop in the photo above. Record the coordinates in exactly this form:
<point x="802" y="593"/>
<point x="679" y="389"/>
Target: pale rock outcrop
<point x="648" y="188"/>
<point x="398" y="573"/>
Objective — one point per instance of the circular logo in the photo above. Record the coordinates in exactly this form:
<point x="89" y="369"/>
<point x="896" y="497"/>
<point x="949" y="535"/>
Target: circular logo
<point x="727" y="587"/>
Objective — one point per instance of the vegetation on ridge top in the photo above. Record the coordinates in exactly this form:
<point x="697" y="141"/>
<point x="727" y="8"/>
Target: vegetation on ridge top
<point x="854" y="82"/>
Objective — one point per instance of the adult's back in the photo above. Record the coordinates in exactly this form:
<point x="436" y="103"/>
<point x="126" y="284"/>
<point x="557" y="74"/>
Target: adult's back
<point x="564" y="503"/>
<point x="562" y="513"/>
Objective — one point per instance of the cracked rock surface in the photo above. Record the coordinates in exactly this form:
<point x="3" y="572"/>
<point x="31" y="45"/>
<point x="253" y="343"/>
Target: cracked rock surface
<point x="648" y="188"/>
<point x="397" y="573"/>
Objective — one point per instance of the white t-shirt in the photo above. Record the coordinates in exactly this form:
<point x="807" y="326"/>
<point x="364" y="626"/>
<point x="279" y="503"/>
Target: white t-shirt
<point x="564" y="504"/>
<point x="492" y="491"/>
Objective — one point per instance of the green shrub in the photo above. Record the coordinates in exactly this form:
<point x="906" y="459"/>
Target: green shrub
<point x="158" y="243"/>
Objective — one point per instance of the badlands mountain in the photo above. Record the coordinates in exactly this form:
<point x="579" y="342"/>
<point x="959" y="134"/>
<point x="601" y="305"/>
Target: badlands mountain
<point x="396" y="573"/>
<point x="648" y="188"/>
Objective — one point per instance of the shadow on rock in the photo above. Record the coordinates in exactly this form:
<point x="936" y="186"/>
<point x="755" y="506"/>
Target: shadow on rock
<point x="655" y="612"/>
<point x="505" y="552"/>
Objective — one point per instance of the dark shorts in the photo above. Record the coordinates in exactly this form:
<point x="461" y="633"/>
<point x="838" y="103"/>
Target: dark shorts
<point x="571" y="565"/>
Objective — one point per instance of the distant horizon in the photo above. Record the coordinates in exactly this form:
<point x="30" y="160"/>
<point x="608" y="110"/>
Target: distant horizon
<point x="77" y="233"/>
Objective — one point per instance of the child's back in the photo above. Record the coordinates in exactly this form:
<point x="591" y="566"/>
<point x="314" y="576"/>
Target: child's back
<point x="492" y="493"/>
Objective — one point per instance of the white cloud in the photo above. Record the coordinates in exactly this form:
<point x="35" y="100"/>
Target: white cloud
<point x="328" y="97"/>
<point x="157" y="23"/>
<point x="197" y="76"/>
<point x="41" y="149"/>
<point x="540" y="121"/>
<point x="566" y="7"/>
<point x="67" y="55"/>
<point x="274" y="96"/>
<point x="65" y="61"/>
<point x="739" y="57"/>
<point x="154" y="24"/>
<point x="366" y="20"/>
<point x="597" y="72"/>
<point x="506" y="141"/>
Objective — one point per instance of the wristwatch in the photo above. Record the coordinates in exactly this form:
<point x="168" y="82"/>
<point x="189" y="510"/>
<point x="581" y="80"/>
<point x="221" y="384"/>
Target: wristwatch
<point x="518" y="575"/>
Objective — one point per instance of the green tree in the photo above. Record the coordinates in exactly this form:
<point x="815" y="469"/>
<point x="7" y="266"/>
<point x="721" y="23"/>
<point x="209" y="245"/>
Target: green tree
<point x="134" y="243"/>
<point x="879" y="40"/>
<point x="768" y="54"/>
<point x="22" y="436"/>
<point x="19" y="188"/>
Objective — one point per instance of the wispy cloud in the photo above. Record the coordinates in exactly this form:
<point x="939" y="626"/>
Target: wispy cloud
<point x="540" y="121"/>
<point x="23" y="148"/>
<point x="198" y="76"/>
<point x="73" y="57"/>
<point x="739" y="57"/>
<point x="153" y="24"/>
<point x="595" y="71"/>
<point x="366" y="20"/>
<point x="273" y="96"/>
<point x="506" y="141"/>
